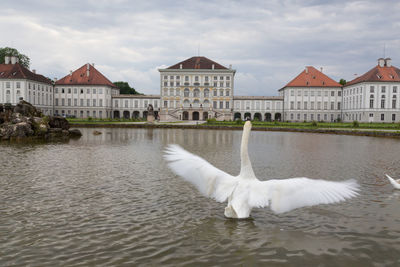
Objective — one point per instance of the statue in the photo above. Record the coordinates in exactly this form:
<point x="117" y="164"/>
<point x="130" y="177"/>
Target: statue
<point x="150" y="113"/>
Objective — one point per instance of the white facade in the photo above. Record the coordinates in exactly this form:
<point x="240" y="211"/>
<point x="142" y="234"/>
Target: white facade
<point x="262" y="108"/>
<point x="196" y="94"/>
<point x="30" y="86"/>
<point x="134" y="106"/>
<point x="312" y="103"/>
<point x="83" y="101"/>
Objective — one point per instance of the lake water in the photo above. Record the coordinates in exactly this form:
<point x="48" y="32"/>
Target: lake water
<point x="110" y="200"/>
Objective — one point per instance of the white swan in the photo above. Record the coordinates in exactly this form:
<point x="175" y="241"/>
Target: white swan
<point x="245" y="191"/>
<point x="395" y="183"/>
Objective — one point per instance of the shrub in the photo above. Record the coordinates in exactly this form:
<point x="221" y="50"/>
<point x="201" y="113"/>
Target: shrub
<point x="314" y="124"/>
<point x="90" y="118"/>
<point x="356" y="124"/>
<point x="212" y="120"/>
<point x="239" y="121"/>
<point x="338" y="120"/>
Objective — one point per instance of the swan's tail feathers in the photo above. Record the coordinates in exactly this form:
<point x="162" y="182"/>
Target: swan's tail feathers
<point x="393" y="182"/>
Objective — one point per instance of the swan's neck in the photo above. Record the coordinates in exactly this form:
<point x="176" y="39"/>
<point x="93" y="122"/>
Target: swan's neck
<point x="246" y="171"/>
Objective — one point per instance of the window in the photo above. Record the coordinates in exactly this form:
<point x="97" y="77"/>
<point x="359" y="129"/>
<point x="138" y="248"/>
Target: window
<point x="81" y="103"/>
<point x="55" y="90"/>
<point x="339" y="93"/>
<point x="215" y="78"/>
<point x="227" y="93"/>
<point x="305" y="105"/>
<point x="291" y="116"/>
<point x="326" y="93"/>
<point x="206" y="92"/>
<point x="126" y="103"/>
<point x="171" y="83"/>
<point x="221" y="84"/>
<point x="171" y="77"/>
<point x="325" y="105"/>
<point x="394" y="89"/>
<point x="371" y="115"/>
<point x="186" y="92"/>
<point x="171" y="92"/>
<point x="298" y="105"/>
<point x="298" y="117"/>
<point x="332" y="105"/>
<point x="88" y="102"/>
<point x="186" y="78"/>
<point x="305" y="117"/>
<point x="382" y="117"/>
<point x="291" y="104"/>
<point x="332" y="93"/>
<point x="75" y="102"/>
<point x="178" y="77"/>
<point x="88" y="113"/>
<point x="136" y="103"/>
<point x="221" y="77"/>
<point x="299" y="93"/>
<point x="228" y="84"/>
<point x="227" y="104"/>
<point x="221" y="104"/>
<point x="382" y="103"/>
<point x="165" y="77"/>
<point x="318" y="105"/>
<point x="325" y="117"/>
<point x="312" y="104"/>
<point x="338" y="105"/>
<point x="196" y="78"/>
<point x="221" y="92"/>
<point x="319" y="94"/>
<point x="291" y="92"/>
<point x="56" y="101"/>
<point x="165" y="83"/>
<point x="206" y="78"/>
<point x="165" y="104"/>
<point x="177" y="92"/>
<point x="215" y="92"/>
<point x="81" y="91"/>
<point x="7" y="84"/>
<point x="393" y="117"/>
<point x="100" y="102"/>
<point x="69" y="90"/>
<point x="100" y="91"/>
<point x="312" y="93"/>
<point x="383" y="89"/>
<point x="371" y="89"/>
<point x="394" y="103"/>
<point x="88" y="91"/>
<point x="371" y="103"/>
<point x="215" y="84"/>
<point x="227" y="78"/>
<point x="63" y="102"/>
<point x="62" y="91"/>
<point x="312" y="117"/>
<point x="196" y="93"/>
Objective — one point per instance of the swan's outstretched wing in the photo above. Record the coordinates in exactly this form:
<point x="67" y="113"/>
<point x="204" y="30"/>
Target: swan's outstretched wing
<point x="209" y="180"/>
<point x="393" y="182"/>
<point x="288" y="194"/>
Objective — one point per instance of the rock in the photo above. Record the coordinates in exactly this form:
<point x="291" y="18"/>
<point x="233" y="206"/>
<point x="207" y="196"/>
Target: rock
<point x="97" y="132"/>
<point x="27" y="109"/>
<point x="58" y="122"/>
<point x="75" y="133"/>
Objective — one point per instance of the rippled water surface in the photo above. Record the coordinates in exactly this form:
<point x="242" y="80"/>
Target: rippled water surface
<point x="110" y="200"/>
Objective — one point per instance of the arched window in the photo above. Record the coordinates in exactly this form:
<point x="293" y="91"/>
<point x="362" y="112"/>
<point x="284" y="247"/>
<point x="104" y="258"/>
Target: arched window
<point x="196" y="103"/>
<point x="171" y="92"/>
<point x="177" y="91"/>
<point x="206" y="93"/>
<point x="8" y="96"/>
<point x="196" y="93"/>
<point x="186" y="92"/>
<point x="186" y="103"/>
<point x="206" y="103"/>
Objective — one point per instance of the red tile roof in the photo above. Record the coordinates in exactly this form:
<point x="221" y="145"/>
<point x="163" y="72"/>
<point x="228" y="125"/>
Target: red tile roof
<point x="197" y="63"/>
<point x="79" y="77"/>
<point x="311" y="77"/>
<point x="17" y="71"/>
<point x="378" y="74"/>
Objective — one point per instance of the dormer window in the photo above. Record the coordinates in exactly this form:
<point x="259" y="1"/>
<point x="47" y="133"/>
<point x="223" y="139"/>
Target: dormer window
<point x="379" y="77"/>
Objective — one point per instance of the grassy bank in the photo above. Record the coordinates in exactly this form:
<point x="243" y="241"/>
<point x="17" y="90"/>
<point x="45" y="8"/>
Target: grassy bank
<point x="311" y="125"/>
<point x="101" y="121"/>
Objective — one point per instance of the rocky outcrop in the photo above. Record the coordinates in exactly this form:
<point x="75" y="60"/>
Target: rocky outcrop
<point x="25" y="121"/>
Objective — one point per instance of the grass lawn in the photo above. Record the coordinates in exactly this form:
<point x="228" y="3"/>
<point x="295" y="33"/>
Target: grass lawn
<point x="310" y="125"/>
<point x="102" y="121"/>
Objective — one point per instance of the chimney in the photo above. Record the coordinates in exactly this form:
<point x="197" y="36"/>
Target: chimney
<point x="230" y="66"/>
<point x="34" y="71"/>
<point x="180" y="66"/>
<point x="87" y="69"/>
<point x="381" y="62"/>
<point x="93" y="64"/>
<point x="55" y="80"/>
<point x="321" y="69"/>
<point x="13" y="60"/>
<point x="7" y="60"/>
<point x="388" y="62"/>
<point x="70" y="73"/>
<point x="212" y="66"/>
<point x="306" y="69"/>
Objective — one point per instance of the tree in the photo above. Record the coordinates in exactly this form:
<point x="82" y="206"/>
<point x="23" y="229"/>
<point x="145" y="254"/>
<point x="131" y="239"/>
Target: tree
<point x="125" y="89"/>
<point x="8" y="51"/>
<point x="342" y="81"/>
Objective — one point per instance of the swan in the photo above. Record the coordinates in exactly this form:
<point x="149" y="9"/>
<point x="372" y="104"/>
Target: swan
<point x="395" y="183"/>
<point x="245" y="192"/>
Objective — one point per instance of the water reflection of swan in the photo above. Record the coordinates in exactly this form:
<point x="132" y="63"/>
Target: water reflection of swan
<point x="395" y="183"/>
<point x="245" y="191"/>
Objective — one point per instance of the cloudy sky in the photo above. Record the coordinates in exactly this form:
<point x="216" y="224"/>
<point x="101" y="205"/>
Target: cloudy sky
<point x="267" y="42"/>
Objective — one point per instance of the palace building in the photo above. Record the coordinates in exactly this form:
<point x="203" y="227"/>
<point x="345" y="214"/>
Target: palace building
<point x="199" y="89"/>
<point x="17" y="82"/>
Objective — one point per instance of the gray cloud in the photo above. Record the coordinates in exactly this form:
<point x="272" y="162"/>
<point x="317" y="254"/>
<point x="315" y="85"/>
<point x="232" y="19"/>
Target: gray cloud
<point x="268" y="42"/>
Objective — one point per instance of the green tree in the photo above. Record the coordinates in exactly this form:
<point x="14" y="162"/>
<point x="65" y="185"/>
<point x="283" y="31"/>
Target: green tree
<point x="342" y="81"/>
<point x="125" y="89"/>
<point x="8" y="51"/>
